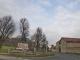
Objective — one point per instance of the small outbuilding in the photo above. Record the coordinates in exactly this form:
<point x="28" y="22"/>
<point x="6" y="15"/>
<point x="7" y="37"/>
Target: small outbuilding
<point x="22" y="46"/>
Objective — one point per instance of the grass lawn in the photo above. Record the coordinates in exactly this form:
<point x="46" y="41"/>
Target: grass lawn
<point x="28" y="54"/>
<point x="4" y="49"/>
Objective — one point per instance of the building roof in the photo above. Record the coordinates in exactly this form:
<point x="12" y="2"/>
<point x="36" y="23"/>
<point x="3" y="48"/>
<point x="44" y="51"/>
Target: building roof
<point x="71" y="40"/>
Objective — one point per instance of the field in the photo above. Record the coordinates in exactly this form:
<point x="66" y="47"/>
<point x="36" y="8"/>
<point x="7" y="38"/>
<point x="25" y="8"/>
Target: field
<point x="6" y="49"/>
<point x="11" y="51"/>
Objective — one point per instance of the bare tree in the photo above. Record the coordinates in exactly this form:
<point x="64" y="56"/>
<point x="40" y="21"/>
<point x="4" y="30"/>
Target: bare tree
<point x="24" y="28"/>
<point x="40" y="41"/>
<point x="0" y="27"/>
<point x="38" y="38"/>
<point x="52" y="48"/>
<point x="7" y="27"/>
<point x="33" y="39"/>
<point x="44" y="43"/>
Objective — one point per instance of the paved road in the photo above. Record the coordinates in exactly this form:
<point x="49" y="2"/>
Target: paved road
<point x="11" y="58"/>
<point x="61" y="57"/>
<point x="56" y="57"/>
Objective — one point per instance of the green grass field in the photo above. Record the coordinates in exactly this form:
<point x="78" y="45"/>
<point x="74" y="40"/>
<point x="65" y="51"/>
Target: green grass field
<point x="5" y="49"/>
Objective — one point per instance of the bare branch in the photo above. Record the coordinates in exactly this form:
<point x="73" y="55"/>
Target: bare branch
<point x="24" y="28"/>
<point x="7" y="26"/>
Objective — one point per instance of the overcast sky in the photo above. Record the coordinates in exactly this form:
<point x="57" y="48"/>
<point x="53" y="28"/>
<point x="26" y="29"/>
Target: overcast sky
<point x="58" y="18"/>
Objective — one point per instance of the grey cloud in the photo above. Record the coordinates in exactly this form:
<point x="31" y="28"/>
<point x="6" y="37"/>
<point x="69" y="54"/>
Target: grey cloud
<point x="63" y="22"/>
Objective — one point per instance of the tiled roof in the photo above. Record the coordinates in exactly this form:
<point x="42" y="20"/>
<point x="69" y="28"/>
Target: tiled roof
<point x="71" y="40"/>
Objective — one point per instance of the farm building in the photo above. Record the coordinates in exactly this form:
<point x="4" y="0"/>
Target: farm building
<point x="68" y="45"/>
